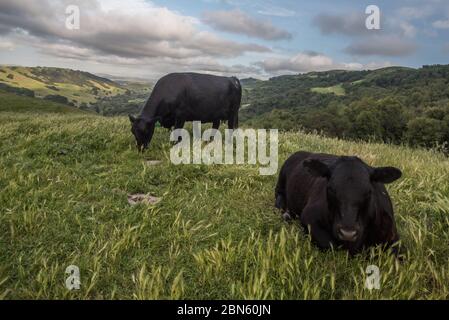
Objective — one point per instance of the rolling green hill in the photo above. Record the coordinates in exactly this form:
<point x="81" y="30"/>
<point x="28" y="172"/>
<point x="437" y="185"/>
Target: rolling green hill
<point x="77" y="86"/>
<point x="412" y="87"/>
<point x="214" y="234"/>
<point x="396" y="104"/>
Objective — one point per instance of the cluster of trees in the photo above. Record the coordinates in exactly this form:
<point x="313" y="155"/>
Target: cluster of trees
<point x="385" y="120"/>
<point x="17" y="91"/>
<point x="430" y="130"/>
<point x="129" y="103"/>
<point x="58" y="98"/>
<point x="395" y="105"/>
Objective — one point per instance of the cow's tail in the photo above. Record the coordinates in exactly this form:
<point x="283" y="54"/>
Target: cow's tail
<point x="235" y="102"/>
<point x="238" y="86"/>
<point x="280" y="201"/>
<point x="236" y="83"/>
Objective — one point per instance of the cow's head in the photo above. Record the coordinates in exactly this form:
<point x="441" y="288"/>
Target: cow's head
<point x="350" y="194"/>
<point x="143" y="130"/>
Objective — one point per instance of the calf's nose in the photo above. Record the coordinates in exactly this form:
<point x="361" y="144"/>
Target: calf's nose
<point x="346" y="234"/>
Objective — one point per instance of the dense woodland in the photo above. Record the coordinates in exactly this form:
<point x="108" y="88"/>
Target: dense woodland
<point x="396" y="105"/>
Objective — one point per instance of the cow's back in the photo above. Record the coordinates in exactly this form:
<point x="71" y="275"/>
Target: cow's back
<point x="194" y="96"/>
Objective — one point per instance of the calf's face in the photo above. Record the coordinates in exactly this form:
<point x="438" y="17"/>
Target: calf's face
<point x="350" y="194"/>
<point x="143" y="131"/>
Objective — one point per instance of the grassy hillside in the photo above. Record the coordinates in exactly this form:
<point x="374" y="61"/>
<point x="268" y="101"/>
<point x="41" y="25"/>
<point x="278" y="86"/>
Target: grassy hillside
<point x="215" y="233"/>
<point x="313" y="90"/>
<point x="10" y="102"/>
<point x="396" y="104"/>
<point x="77" y="86"/>
<point x="337" y="90"/>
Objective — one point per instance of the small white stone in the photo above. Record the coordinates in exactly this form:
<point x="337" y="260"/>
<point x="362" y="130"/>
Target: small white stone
<point x="142" y="198"/>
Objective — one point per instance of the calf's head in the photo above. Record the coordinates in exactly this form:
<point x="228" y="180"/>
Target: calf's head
<point x="143" y="130"/>
<point x="350" y="194"/>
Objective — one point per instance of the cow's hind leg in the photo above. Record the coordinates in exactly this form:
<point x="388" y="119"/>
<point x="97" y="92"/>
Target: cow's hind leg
<point x="236" y="119"/>
<point x="280" y="199"/>
<point x="215" y="126"/>
<point x="232" y="121"/>
<point x="280" y="202"/>
<point x="279" y="193"/>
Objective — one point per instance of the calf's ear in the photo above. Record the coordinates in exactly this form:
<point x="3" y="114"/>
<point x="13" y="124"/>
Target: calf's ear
<point x="317" y="168"/>
<point x="386" y="174"/>
<point x="132" y="118"/>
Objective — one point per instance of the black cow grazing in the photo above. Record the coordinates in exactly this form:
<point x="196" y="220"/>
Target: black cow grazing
<point x="181" y="97"/>
<point x="342" y="201"/>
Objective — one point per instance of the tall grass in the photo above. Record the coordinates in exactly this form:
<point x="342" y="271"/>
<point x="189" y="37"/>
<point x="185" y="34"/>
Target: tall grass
<point x="215" y="235"/>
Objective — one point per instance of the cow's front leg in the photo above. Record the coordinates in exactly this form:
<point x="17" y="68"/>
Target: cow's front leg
<point x="310" y="220"/>
<point x="179" y="124"/>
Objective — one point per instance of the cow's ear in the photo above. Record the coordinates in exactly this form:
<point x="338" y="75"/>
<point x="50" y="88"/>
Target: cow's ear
<point x="132" y="118"/>
<point x="386" y="174"/>
<point x="317" y="168"/>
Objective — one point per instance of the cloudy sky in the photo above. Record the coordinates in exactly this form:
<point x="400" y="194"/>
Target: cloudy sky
<point x="259" y="38"/>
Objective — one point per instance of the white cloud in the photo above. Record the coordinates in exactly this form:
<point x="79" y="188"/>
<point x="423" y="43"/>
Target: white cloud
<point x="135" y="29"/>
<point x="312" y="61"/>
<point x="349" y="24"/>
<point x="394" y="39"/>
<point x="137" y="36"/>
<point x="142" y="38"/>
<point x="407" y="29"/>
<point x="418" y="12"/>
<point x="236" y="21"/>
<point x="132" y="7"/>
<point x="441" y="24"/>
<point x="382" y="45"/>
<point x="7" y="45"/>
<point x="270" y="10"/>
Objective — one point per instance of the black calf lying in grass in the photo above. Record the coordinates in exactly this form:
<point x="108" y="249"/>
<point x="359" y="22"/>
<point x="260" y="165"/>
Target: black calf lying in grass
<point x="341" y="200"/>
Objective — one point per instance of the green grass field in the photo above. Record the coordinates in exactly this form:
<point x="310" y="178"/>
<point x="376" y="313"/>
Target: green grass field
<point x="338" y="90"/>
<point x="215" y="235"/>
